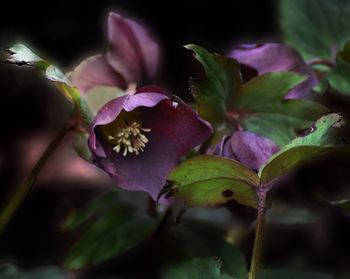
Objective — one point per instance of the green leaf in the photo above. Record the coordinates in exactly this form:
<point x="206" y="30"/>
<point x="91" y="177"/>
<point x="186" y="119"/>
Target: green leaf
<point x="100" y="95"/>
<point x="81" y="147"/>
<point x="190" y="240"/>
<point x="198" y="268"/>
<point x="315" y="27"/>
<point x="111" y="228"/>
<point x="300" y="149"/>
<point x="20" y="54"/>
<point x="215" y="94"/>
<point x="285" y="274"/>
<point x="264" y="111"/>
<point x="339" y="77"/>
<point x="9" y="271"/>
<point x="211" y="180"/>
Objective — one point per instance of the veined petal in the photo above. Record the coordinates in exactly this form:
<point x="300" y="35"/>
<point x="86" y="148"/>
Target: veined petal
<point x="95" y="71"/>
<point x="133" y="53"/>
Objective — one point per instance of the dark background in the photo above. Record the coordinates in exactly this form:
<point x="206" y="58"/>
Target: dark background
<point x="68" y="31"/>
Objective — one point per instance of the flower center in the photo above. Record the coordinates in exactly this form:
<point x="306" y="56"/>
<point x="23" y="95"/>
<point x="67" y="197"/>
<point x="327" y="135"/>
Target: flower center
<point x="126" y="134"/>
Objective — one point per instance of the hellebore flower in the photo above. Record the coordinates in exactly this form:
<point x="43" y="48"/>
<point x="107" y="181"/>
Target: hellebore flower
<point x="246" y="147"/>
<point x="132" y="57"/>
<point x="139" y="138"/>
<point x="274" y="57"/>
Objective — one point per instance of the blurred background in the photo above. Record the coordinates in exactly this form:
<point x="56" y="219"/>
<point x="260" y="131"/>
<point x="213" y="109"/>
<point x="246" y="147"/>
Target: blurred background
<point x="65" y="32"/>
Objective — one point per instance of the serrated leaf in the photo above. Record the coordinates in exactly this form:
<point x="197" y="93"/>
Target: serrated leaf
<point x="339" y="77"/>
<point x="9" y="271"/>
<point x="198" y="268"/>
<point x="317" y="28"/>
<point x="112" y="229"/>
<point x="264" y="111"/>
<point x="215" y="94"/>
<point x="300" y="149"/>
<point x="211" y="180"/>
<point x="286" y="274"/>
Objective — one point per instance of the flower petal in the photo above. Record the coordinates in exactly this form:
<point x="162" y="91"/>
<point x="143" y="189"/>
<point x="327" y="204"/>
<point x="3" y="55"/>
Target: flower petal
<point x="95" y="71"/>
<point x="274" y="57"/>
<point x="251" y="149"/>
<point x="133" y="53"/>
<point x="174" y="130"/>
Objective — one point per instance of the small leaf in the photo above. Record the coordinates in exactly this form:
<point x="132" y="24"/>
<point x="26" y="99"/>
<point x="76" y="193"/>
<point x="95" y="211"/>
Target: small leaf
<point x="215" y="94"/>
<point x="9" y="271"/>
<point x="211" y="180"/>
<point x="22" y="55"/>
<point x="316" y="28"/>
<point x="285" y="274"/>
<point x="263" y="110"/>
<point x="339" y="77"/>
<point x="112" y="229"/>
<point x="300" y="149"/>
<point x="198" y="268"/>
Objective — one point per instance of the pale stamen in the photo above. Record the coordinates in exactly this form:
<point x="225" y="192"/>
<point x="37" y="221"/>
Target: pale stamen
<point x="130" y="138"/>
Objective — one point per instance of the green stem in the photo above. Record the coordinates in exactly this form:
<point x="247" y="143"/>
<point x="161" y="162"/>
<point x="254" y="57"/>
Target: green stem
<point x="259" y="232"/>
<point x="20" y="194"/>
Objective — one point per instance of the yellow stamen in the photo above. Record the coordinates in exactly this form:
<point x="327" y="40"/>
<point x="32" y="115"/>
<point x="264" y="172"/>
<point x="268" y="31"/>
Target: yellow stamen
<point x="127" y="134"/>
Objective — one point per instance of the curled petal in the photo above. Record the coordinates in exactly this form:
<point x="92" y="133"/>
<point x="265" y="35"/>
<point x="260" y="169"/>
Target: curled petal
<point x="133" y="53"/>
<point x="274" y="57"/>
<point x="95" y="71"/>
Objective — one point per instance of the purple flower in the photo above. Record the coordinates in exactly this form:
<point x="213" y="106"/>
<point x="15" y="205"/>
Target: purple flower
<point x="246" y="147"/>
<point x="274" y="57"/>
<point x="133" y="57"/>
<point x="139" y="138"/>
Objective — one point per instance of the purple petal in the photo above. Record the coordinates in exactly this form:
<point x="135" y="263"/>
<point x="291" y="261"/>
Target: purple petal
<point x="95" y="71"/>
<point x="173" y="132"/>
<point x="110" y="111"/>
<point x="223" y="148"/>
<point x="274" y="57"/>
<point x="133" y="53"/>
<point x="251" y="149"/>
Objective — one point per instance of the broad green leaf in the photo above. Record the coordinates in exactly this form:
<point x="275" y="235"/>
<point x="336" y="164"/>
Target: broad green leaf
<point x="285" y="274"/>
<point x="211" y="180"/>
<point x="339" y="77"/>
<point x="100" y="95"/>
<point x="198" y="268"/>
<point x="112" y="229"/>
<point x="215" y="94"/>
<point x="300" y="149"/>
<point x="316" y="28"/>
<point x="263" y="110"/>
<point x="9" y="271"/>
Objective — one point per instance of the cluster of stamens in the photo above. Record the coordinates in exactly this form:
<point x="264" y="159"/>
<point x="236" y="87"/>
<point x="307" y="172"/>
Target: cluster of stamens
<point x="129" y="137"/>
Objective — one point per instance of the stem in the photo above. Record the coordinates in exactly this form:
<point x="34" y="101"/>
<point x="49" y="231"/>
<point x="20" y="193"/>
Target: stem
<point x="259" y="232"/>
<point x="20" y="194"/>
